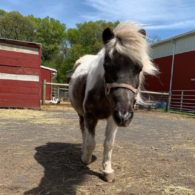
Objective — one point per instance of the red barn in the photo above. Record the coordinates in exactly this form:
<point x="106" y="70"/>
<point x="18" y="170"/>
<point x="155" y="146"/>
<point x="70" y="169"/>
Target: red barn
<point x="48" y="74"/>
<point x="175" y="58"/>
<point x="20" y="73"/>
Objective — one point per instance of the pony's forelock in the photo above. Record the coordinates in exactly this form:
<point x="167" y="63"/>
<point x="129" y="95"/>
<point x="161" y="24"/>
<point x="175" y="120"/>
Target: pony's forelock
<point x="130" y="42"/>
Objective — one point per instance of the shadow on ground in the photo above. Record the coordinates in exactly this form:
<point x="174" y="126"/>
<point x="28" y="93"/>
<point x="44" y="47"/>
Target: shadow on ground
<point x="64" y="173"/>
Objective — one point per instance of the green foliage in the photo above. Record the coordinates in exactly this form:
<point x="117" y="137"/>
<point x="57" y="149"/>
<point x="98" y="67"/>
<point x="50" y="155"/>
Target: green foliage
<point x="60" y="47"/>
<point x="2" y="13"/>
<point x="51" y="33"/>
<point x="89" y="35"/>
<point x="84" y="39"/>
<point x="13" y="25"/>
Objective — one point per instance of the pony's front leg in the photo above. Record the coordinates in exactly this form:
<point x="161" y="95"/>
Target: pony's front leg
<point x="88" y="138"/>
<point x="111" y="130"/>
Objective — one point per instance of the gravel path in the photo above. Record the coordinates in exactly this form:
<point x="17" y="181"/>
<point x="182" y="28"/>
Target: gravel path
<point x="40" y="155"/>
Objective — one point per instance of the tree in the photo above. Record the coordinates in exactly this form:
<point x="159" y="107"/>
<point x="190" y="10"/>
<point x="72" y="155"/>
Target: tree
<point x="60" y="47"/>
<point x="153" y="39"/>
<point x="84" y="39"/>
<point x="2" y="13"/>
<point x="13" y="25"/>
<point x="51" y="33"/>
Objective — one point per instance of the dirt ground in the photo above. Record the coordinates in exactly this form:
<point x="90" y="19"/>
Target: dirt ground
<point x="40" y="155"/>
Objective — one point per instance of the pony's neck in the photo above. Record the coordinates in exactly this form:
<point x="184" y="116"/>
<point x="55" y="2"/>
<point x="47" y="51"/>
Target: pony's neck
<point x="96" y="73"/>
<point x="100" y="67"/>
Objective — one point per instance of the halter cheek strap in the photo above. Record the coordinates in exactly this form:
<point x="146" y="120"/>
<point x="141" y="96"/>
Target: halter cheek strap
<point x="108" y="86"/>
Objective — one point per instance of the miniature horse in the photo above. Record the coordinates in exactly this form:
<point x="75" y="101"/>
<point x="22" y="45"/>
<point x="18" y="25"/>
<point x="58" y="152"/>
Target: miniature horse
<point x="106" y="86"/>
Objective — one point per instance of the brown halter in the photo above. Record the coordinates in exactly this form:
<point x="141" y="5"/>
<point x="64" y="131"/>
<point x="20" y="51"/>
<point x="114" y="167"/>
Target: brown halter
<point x="108" y="86"/>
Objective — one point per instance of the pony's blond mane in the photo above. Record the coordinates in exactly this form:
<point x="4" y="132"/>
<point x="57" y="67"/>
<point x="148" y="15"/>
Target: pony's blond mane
<point x="130" y="42"/>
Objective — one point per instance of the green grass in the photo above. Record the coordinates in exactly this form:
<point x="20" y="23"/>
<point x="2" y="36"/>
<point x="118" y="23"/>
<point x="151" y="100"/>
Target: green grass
<point x="179" y="112"/>
<point x="176" y="112"/>
<point x="160" y="109"/>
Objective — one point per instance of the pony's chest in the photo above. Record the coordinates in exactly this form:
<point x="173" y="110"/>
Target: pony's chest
<point x="97" y="103"/>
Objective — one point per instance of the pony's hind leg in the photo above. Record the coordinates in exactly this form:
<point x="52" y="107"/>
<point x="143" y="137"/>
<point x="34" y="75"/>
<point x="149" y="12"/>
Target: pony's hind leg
<point x="81" y="122"/>
<point x="111" y="130"/>
<point x="88" y="138"/>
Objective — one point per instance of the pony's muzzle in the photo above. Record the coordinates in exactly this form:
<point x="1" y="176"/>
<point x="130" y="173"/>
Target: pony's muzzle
<point x="123" y="119"/>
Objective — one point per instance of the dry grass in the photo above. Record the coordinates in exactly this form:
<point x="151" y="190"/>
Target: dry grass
<point x="21" y="114"/>
<point x="159" y="167"/>
<point x="42" y="114"/>
<point x="170" y="190"/>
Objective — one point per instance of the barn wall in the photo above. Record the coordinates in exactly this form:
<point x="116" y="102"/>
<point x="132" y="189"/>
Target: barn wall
<point x="47" y="75"/>
<point x="183" y="72"/>
<point x="162" y="80"/>
<point x="19" y="75"/>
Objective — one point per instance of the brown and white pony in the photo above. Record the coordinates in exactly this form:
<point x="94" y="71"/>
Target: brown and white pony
<point x="106" y="86"/>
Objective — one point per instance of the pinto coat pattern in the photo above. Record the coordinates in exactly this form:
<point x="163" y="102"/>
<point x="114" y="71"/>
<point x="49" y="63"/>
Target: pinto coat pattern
<point x="123" y="60"/>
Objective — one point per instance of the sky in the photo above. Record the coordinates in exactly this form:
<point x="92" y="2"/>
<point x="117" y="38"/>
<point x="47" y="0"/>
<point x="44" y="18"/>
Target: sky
<point x="162" y="18"/>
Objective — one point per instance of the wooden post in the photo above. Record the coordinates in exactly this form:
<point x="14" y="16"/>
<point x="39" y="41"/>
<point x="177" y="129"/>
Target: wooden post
<point x="58" y="93"/>
<point x="168" y="102"/>
<point x="181" y="104"/>
<point x="44" y="92"/>
<point x="149" y="106"/>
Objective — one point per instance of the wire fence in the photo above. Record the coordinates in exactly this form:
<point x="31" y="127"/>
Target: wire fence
<point x="178" y="100"/>
<point x="183" y="100"/>
<point x="154" y="100"/>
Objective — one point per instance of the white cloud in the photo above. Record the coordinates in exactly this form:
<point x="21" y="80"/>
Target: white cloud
<point x="161" y="13"/>
<point x="177" y="25"/>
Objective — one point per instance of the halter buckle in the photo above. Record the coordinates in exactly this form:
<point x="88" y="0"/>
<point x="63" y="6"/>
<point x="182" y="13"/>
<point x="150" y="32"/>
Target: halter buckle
<point x="107" y="89"/>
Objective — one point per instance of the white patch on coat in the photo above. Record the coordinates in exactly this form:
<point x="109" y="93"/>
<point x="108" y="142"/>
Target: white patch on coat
<point x="96" y="72"/>
<point x="88" y="146"/>
<point x="86" y="62"/>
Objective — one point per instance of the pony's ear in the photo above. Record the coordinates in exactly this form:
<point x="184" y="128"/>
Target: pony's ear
<point x="143" y="32"/>
<point x="107" y="35"/>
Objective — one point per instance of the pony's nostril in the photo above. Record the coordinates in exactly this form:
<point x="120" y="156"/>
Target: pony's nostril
<point x="122" y="119"/>
<point x="126" y="116"/>
<point x="130" y="115"/>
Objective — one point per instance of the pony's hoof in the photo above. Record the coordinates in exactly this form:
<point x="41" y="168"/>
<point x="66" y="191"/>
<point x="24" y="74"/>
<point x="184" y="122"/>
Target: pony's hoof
<point x="85" y="162"/>
<point x="109" y="177"/>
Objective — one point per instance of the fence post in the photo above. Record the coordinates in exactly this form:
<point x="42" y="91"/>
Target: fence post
<point x="149" y="106"/>
<point x="58" y="93"/>
<point x="181" y="103"/>
<point x="44" y="92"/>
<point x="168" y="102"/>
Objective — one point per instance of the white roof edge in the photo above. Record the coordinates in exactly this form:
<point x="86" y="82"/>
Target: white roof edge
<point x="45" y="67"/>
<point x="19" y="41"/>
<point x="173" y="38"/>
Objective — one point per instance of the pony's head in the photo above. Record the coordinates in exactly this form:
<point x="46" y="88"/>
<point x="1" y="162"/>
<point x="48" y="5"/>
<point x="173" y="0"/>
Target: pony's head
<point x="126" y="61"/>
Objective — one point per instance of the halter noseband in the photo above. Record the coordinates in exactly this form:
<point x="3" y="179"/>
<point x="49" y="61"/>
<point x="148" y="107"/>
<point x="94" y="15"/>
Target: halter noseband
<point x="108" y="86"/>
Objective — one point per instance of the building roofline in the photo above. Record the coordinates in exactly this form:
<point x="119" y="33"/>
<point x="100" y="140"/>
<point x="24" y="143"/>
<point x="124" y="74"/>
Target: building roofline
<point x="173" y="38"/>
<point x="19" y="41"/>
<point x="69" y="71"/>
<point x="47" y="68"/>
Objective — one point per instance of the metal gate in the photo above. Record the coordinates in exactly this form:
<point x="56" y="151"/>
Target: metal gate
<point x="183" y="100"/>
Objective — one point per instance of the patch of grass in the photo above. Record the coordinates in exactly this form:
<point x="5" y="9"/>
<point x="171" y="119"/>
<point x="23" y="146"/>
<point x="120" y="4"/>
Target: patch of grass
<point x="179" y="112"/>
<point x="176" y="112"/>
<point x="160" y="109"/>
